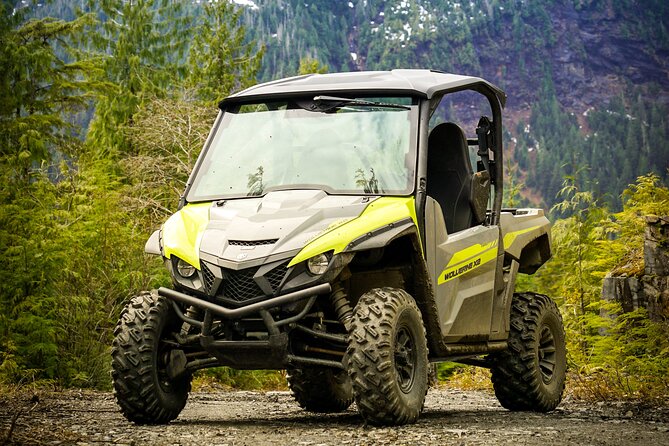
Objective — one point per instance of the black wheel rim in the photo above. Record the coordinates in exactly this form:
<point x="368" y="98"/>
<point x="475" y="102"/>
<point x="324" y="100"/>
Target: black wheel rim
<point x="162" y="359"/>
<point x="547" y="352"/>
<point x="405" y="358"/>
<point x="163" y="350"/>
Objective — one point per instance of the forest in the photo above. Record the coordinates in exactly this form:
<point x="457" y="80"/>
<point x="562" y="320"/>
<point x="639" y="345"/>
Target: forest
<point x="105" y="106"/>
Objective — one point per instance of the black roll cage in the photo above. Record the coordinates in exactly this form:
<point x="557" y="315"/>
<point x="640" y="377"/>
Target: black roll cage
<point x="427" y="107"/>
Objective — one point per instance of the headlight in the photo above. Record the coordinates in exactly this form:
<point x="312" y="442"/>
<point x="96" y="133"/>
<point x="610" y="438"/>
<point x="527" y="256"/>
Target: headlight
<point x="317" y="265"/>
<point x="185" y="269"/>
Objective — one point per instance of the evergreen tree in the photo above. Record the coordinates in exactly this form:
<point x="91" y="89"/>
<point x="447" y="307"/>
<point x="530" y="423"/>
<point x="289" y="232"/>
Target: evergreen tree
<point x="141" y="46"/>
<point x="38" y="88"/>
<point x="221" y="61"/>
<point x="309" y="65"/>
<point x="38" y="91"/>
<point x="577" y="235"/>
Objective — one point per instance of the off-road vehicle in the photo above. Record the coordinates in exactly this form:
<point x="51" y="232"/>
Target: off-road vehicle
<point x="331" y="228"/>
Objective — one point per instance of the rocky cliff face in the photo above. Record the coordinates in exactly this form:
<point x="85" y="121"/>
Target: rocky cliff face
<point x="593" y="54"/>
<point x="600" y="54"/>
<point x="649" y="290"/>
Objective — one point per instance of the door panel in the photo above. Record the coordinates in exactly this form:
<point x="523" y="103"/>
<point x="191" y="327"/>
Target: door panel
<point x="462" y="267"/>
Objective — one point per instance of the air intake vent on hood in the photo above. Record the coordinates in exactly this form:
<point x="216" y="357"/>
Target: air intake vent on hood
<point x="252" y="242"/>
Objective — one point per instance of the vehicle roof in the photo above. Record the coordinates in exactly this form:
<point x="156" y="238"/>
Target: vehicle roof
<point x="423" y="83"/>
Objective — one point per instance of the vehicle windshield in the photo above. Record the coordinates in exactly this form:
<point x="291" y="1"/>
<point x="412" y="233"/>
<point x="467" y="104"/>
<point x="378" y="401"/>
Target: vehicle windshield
<point x="345" y="148"/>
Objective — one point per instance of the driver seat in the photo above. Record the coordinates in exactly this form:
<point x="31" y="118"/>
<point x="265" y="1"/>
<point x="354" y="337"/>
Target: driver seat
<point x="449" y="175"/>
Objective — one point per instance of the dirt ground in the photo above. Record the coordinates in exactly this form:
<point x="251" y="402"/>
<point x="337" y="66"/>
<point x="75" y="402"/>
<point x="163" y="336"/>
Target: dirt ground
<point x="451" y="417"/>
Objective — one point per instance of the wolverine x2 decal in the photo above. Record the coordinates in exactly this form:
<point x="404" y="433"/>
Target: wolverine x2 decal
<point x="468" y="260"/>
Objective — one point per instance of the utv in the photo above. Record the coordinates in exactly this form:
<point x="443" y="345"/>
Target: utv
<point x="331" y="228"/>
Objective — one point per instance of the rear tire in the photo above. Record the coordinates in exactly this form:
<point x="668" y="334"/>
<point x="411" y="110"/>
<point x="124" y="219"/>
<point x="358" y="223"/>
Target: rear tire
<point x="139" y="360"/>
<point x="320" y="390"/>
<point x="387" y="357"/>
<point x="530" y="374"/>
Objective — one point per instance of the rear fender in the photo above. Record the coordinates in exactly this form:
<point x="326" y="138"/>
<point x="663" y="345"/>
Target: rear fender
<point x="526" y="236"/>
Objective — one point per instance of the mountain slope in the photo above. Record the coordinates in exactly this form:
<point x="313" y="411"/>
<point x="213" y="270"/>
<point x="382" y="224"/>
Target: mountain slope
<point x="589" y="49"/>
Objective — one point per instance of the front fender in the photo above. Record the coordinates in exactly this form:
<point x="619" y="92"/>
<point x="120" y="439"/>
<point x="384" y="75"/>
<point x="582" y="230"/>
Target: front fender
<point x="384" y="219"/>
<point x="182" y="233"/>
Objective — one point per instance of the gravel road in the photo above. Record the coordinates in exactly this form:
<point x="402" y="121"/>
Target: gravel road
<point x="451" y="417"/>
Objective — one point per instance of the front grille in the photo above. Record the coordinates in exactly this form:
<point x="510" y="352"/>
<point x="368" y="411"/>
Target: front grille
<point x="239" y="286"/>
<point x="270" y="241"/>
<point x="208" y="278"/>
<point x="275" y="276"/>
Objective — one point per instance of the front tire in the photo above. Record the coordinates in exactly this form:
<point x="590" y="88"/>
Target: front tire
<point x="530" y="374"/>
<point x="142" y="388"/>
<point x="387" y="357"/>
<point x="320" y="390"/>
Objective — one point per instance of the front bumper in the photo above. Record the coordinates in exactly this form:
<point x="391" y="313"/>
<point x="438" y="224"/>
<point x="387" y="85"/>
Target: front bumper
<point x="274" y="352"/>
<point x="247" y="310"/>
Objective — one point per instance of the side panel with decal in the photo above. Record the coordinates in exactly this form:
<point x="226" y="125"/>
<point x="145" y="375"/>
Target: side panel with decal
<point x="465" y="270"/>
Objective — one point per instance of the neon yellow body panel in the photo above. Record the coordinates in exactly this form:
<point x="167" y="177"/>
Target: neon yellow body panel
<point x="379" y="213"/>
<point x="510" y="237"/>
<point x="182" y="233"/>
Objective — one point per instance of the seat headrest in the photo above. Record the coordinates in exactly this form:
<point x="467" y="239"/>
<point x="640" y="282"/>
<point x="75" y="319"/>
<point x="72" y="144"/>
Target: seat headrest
<point x="450" y="131"/>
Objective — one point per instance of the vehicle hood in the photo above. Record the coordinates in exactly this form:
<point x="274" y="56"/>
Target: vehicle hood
<point x="248" y="229"/>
